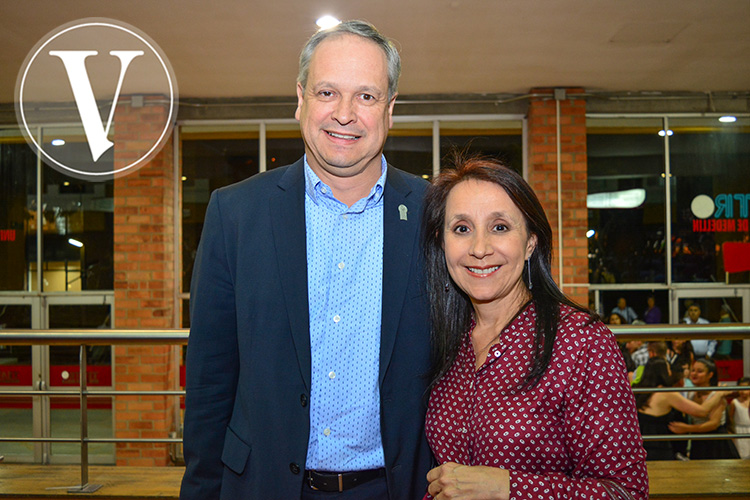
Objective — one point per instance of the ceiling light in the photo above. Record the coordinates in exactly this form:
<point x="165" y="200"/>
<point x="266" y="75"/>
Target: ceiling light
<point x="630" y="198"/>
<point x="75" y="242"/>
<point x="662" y="133"/>
<point x="326" y="22"/>
<point x="58" y="142"/>
<point x="590" y="233"/>
<point x="728" y="119"/>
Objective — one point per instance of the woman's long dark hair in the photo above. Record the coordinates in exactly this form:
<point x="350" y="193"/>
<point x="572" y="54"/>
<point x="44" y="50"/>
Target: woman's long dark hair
<point x="655" y="374"/>
<point x="450" y="307"/>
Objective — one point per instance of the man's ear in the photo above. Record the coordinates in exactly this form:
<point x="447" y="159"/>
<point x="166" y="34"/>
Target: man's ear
<point x="300" y="100"/>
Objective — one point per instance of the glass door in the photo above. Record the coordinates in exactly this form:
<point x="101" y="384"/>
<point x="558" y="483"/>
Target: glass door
<point x="54" y="368"/>
<point x="717" y="305"/>
<point x="18" y="373"/>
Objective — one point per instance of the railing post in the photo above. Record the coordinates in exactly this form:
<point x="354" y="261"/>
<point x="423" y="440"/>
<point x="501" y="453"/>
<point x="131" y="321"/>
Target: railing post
<point x="84" y="487"/>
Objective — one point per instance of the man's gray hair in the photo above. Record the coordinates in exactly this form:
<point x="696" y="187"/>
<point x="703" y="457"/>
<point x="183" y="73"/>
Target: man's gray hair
<point x="359" y="28"/>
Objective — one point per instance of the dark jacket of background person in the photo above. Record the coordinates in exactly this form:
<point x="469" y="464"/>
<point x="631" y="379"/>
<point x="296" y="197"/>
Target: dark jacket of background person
<point x="248" y="360"/>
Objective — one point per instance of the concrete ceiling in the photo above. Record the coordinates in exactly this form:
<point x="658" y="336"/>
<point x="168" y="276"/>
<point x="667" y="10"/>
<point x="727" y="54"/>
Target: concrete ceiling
<point x="236" y="49"/>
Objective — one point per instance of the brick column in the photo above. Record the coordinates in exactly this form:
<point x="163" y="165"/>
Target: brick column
<point x="543" y="178"/>
<point x="144" y="284"/>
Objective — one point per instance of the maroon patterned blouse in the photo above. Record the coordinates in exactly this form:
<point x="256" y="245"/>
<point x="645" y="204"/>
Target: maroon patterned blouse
<point x="577" y="425"/>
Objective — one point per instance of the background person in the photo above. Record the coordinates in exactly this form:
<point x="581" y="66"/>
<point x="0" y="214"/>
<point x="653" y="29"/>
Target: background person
<point x="701" y="348"/>
<point x="309" y="340"/>
<point x="652" y="315"/>
<point x="739" y="416"/>
<point x="703" y="374"/>
<point x="624" y="310"/>
<point x="523" y="374"/>
<point x="657" y="410"/>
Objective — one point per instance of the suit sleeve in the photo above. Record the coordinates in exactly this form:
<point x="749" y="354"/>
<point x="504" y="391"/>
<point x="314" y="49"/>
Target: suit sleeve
<point x="604" y="440"/>
<point x="212" y="361"/>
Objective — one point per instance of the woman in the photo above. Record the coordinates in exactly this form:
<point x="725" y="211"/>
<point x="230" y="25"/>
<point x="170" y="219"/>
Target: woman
<point x="704" y="374"/>
<point x="530" y="397"/>
<point x="653" y="313"/>
<point x="657" y="410"/>
<point x="739" y="415"/>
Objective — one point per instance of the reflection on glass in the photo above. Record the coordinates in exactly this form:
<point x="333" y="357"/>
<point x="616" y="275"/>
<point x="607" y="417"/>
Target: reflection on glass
<point x="710" y="162"/>
<point x="17" y="210"/>
<point x="626" y="245"/>
<point x="78" y="234"/>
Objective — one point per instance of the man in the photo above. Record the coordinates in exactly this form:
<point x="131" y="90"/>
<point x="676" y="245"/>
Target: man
<point x="701" y="348"/>
<point x="309" y="340"/>
<point x="624" y="310"/>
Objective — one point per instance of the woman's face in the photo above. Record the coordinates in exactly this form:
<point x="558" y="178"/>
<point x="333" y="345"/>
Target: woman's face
<point x="486" y="242"/>
<point x="699" y="374"/>
<point x="677" y="345"/>
<point x="614" y="319"/>
<point x="745" y="394"/>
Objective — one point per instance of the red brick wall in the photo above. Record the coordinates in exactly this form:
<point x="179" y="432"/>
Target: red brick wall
<point x="144" y="284"/>
<point x="543" y="178"/>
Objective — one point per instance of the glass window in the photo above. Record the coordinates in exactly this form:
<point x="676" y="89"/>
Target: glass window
<point x="78" y="234"/>
<point x="626" y="201"/>
<point x="284" y="144"/>
<point x="409" y="147"/>
<point x="499" y="139"/>
<point x="709" y="162"/>
<point x="17" y="211"/>
<point x="210" y="159"/>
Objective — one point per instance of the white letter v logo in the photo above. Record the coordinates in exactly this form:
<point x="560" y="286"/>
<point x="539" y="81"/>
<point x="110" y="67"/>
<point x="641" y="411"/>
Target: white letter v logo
<point x="75" y="66"/>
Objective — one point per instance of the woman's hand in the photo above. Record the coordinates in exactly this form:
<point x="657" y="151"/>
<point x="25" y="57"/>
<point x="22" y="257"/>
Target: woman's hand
<point x="465" y="482"/>
<point x="679" y="427"/>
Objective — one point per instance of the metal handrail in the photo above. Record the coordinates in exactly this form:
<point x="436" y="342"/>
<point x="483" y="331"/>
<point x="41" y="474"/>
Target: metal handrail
<point x="93" y="337"/>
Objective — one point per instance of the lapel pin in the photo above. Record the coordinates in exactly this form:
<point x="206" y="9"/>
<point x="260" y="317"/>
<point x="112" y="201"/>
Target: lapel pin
<point x="402" y="211"/>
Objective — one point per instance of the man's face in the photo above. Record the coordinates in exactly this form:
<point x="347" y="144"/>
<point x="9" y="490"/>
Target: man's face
<point x="622" y="304"/>
<point x="344" y="110"/>
<point x="694" y="313"/>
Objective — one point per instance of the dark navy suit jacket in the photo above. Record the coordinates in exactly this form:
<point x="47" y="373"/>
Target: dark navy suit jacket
<point x="248" y="359"/>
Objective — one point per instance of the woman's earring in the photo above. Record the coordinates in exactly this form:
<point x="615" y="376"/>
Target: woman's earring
<point x="447" y="286"/>
<point x="528" y="268"/>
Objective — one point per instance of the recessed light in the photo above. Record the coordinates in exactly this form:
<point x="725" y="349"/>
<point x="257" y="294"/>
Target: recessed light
<point x="326" y="22"/>
<point x="58" y="142"/>
<point x="75" y="242"/>
<point x="728" y="119"/>
<point x="662" y="133"/>
<point x="590" y="233"/>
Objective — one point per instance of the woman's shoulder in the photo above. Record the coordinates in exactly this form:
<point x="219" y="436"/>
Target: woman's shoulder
<point x="581" y="324"/>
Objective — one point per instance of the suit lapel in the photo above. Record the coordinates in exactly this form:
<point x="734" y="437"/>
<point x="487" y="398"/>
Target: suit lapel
<point x="401" y="216"/>
<point x="290" y="242"/>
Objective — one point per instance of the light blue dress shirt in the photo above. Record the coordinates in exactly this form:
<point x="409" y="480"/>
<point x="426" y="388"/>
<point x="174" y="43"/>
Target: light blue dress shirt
<point x="345" y="288"/>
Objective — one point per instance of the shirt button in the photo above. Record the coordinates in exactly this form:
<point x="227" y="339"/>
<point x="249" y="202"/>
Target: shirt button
<point x="294" y="468"/>
<point x="327" y="431"/>
<point x="336" y="318"/>
<point x="323" y="190"/>
<point x="303" y="400"/>
<point x="345" y="216"/>
<point x="332" y="375"/>
<point x="341" y="265"/>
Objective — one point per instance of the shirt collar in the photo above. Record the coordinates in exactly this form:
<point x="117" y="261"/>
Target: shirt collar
<point x="318" y="191"/>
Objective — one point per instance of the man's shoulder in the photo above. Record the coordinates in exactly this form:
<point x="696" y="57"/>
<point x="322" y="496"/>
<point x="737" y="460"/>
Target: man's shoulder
<point x="260" y="184"/>
<point x="401" y="178"/>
